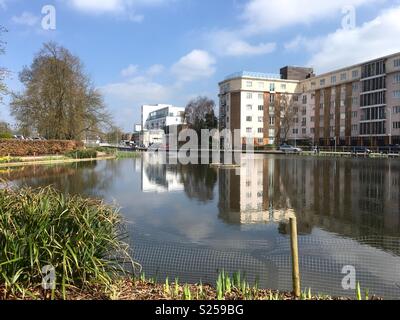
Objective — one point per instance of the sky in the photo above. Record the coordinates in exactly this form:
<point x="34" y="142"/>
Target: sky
<point x="170" y="51"/>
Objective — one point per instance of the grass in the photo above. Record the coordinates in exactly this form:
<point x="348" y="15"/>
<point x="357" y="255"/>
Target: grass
<point x="82" y="154"/>
<point x="80" y="238"/>
<point x="127" y="154"/>
<point x="9" y="160"/>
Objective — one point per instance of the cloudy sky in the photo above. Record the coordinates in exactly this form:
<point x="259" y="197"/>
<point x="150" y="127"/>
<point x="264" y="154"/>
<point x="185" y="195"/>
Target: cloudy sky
<point x="168" y="51"/>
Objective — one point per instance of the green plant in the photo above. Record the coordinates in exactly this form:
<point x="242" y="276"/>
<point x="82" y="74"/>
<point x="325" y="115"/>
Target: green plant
<point x="80" y="238"/>
<point x="82" y="154"/>
<point x="358" y="292"/>
<point x="127" y="154"/>
<point x="187" y="294"/>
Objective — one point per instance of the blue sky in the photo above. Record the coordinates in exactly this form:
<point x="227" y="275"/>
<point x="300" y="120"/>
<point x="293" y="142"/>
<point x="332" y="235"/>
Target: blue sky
<point x="169" y="51"/>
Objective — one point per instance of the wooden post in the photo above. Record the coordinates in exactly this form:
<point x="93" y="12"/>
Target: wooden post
<point x="295" y="257"/>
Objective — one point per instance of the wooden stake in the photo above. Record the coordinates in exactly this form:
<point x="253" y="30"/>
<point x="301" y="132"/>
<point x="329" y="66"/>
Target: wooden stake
<point x="295" y="257"/>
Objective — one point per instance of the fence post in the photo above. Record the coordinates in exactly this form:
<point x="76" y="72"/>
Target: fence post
<point x="295" y="257"/>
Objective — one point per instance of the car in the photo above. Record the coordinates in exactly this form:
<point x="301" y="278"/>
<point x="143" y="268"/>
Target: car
<point x="390" y="149"/>
<point x="361" y="150"/>
<point x="19" y="137"/>
<point x="286" y="148"/>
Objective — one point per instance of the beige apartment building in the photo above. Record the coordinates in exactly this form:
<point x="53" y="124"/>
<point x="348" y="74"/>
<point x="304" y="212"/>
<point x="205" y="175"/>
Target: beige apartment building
<point x="356" y="105"/>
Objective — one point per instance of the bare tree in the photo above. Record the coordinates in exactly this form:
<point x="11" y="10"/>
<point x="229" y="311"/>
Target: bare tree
<point x="3" y="71"/>
<point x="287" y="114"/>
<point x="200" y="114"/>
<point x="59" y="100"/>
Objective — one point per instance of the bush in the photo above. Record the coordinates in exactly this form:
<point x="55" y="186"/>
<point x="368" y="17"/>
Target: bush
<point x="6" y="136"/>
<point x="23" y="148"/>
<point x="82" y="154"/>
<point x="80" y="238"/>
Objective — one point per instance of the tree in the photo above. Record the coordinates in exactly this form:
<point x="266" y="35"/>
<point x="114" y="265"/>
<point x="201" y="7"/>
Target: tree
<point x="3" y="71"/>
<point x="287" y="115"/>
<point x="59" y="100"/>
<point x="200" y="114"/>
<point x="5" y="130"/>
<point x="113" y="135"/>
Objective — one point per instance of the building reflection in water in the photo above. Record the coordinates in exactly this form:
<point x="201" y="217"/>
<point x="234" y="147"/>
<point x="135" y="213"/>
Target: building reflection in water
<point x="355" y="198"/>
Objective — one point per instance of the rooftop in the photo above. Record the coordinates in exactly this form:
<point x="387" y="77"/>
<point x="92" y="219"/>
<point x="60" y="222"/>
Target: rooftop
<point x="258" y="75"/>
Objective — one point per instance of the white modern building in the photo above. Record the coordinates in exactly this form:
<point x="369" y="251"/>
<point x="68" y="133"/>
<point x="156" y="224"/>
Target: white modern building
<point x="161" y="116"/>
<point x="156" y="119"/>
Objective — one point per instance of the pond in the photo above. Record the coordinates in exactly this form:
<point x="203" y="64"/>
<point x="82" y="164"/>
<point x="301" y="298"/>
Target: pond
<point x="191" y="222"/>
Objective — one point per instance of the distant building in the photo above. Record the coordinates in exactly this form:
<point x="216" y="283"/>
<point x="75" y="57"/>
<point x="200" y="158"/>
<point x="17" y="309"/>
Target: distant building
<point x="355" y="105"/>
<point x="156" y="119"/>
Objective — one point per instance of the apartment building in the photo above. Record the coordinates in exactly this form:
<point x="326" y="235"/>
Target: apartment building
<point x="156" y="120"/>
<point x="161" y="116"/>
<point x="355" y="105"/>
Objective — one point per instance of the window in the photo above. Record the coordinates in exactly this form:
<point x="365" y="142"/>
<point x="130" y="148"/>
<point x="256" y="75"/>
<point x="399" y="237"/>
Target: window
<point x="295" y="131"/>
<point x="396" y="63"/>
<point x="333" y="79"/>
<point x="355" y="86"/>
<point x="260" y="141"/>
<point x="249" y="119"/>
<point x="249" y="95"/>
<point x="396" y="125"/>
<point x="322" y="82"/>
<point x="249" y="130"/>
<point x="396" y="109"/>
<point x="272" y="98"/>
<point x="227" y="119"/>
<point x="272" y="87"/>
<point x="261" y="85"/>
<point x="304" y="99"/>
<point x="249" y="84"/>
<point x="283" y="86"/>
<point x="304" y="131"/>
<point x="260" y="96"/>
<point x="271" y="121"/>
<point x="355" y="74"/>
<point x="249" y="107"/>
<point x="355" y="101"/>
<point x="354" y="128"/>
<point x="397" y="78"/>
<point x="260" y="130"/>
<point x="343" y="76"/>
<point x="260" y="108"/>
<point x="354" y="114"/>
<point x="396" y="94"/>
<point x="261" y="119"/>
<point x="312" y="119"/>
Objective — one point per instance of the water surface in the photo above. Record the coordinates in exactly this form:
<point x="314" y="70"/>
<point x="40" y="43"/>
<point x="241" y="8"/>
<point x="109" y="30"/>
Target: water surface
<point x="191" y="221"/>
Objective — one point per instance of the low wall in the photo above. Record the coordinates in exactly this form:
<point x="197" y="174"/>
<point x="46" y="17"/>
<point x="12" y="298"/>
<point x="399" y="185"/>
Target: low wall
<point x="21" y="148"/>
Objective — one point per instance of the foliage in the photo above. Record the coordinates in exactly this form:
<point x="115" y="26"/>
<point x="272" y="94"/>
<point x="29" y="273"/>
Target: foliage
<point x="80" y="238"/>
<point x="287" y="114"/>
<point x="22" y="148"/>
<point x="59" y="100"/>
<point x="82" y="154"/>
<point x="3" y="71"/>
<point x="200" y="114"/>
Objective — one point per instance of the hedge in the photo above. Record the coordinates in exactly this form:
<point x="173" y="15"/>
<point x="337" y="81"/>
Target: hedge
<point x="22" y="148"/>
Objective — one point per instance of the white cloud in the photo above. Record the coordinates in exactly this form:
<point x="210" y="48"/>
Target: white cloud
<point x="265" y="15"/>
<point x="196" y="65"/>
<point x="26" y="19"/>
<point x="125" y="98"/>
<point x="155" y="70"/>
<point x="129" y="71"/>
<point x="228" y="43"/>
<point x="375" y="38"/>
<point x="121" y="8"/>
